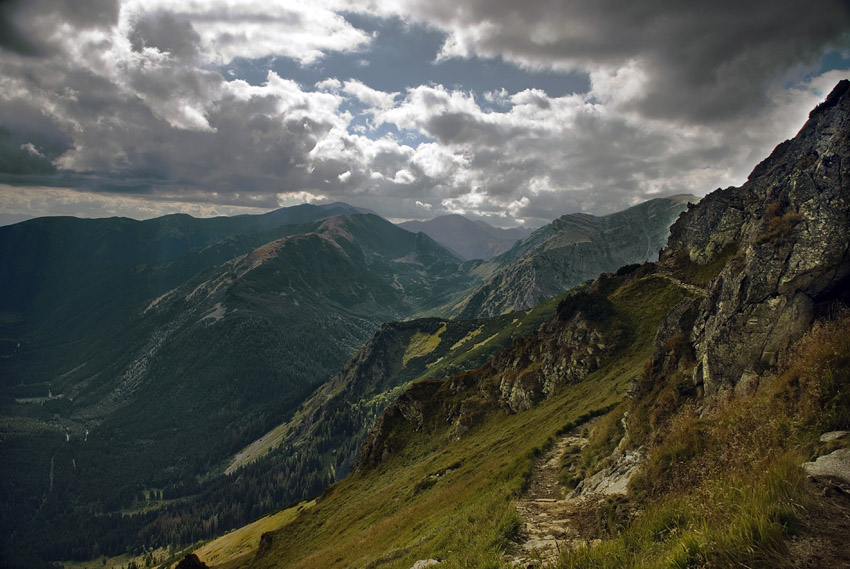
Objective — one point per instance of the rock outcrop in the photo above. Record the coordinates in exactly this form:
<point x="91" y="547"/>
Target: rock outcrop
<point x="789" y="226"/>
<point x="835" y="464"/>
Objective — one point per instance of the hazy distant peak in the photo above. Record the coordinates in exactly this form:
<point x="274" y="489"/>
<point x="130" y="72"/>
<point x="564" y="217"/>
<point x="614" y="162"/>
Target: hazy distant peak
<point x="467" y="238"/>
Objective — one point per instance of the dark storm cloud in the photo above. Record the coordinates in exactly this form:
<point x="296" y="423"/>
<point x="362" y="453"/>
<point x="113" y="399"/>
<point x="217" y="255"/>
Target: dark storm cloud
<point x="705" y="60"/>
<point x="25" y="25"/>
<point x="463" y="128"/>
<point x="12" y="37"/>
<point x="251" y="147"/>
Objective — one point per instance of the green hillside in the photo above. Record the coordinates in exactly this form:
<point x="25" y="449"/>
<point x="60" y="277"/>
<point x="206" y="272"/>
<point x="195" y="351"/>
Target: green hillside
<point x="446" y="489"/>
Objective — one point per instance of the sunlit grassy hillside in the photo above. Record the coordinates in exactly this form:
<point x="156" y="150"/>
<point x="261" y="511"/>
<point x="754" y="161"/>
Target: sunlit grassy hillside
<point x="449" y="497"/>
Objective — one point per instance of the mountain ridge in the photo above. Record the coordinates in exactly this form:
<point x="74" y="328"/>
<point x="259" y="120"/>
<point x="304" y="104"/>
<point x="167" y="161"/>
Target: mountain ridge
<point x="197" y="372"/>
<point x="570" y="250"/>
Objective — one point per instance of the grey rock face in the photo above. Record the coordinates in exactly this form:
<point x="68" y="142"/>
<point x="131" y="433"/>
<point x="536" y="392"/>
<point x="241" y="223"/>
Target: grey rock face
<point x="564" y="353"/>
<point x="791" y="223"/>
<point x="614" y="479"/>
<point x="833" y="436"/>
<point x="515" y="379"/>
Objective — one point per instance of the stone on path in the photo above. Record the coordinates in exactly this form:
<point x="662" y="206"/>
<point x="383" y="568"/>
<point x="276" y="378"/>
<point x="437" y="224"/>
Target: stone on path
<point x="835" y="464"/>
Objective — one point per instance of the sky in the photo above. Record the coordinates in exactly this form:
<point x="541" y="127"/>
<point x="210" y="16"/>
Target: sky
<point x="511" y="112"/>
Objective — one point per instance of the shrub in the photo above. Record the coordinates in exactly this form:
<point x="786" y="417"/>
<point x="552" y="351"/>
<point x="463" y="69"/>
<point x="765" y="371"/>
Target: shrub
<point x="592" y="306"/>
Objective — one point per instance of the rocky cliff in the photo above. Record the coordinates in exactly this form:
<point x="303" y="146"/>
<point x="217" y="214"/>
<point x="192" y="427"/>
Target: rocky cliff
<point x="593" y="326"/>
<point x="783" y="239"/>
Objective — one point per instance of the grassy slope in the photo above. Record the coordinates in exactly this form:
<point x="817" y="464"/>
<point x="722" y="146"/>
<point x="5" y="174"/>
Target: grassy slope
<point x="391" y="516"/>
<point x="453" y="499"/>
<point x="724" y="489"/>
<point x="721" y="489"/>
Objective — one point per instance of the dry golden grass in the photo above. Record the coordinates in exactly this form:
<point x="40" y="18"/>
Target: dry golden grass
<point x="245" y="540"/>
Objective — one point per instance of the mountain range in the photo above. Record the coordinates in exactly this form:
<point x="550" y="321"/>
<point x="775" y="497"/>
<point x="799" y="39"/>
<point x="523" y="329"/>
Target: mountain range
<point x="167" y="381"/>
<point x="572" y="249"/>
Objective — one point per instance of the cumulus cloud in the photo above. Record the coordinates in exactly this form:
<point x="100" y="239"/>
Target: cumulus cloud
<point x="225" y="29"/>
<point x="27" y="26"/>
<point x="165" y="32"/>
<point x="372" y="98"/>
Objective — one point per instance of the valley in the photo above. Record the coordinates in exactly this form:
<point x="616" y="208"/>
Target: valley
<point x="207" y="392"/>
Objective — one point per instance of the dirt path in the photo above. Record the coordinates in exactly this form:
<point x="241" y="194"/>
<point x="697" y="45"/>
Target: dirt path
<point x="828" y="521"/>
<point x="552" y="521"/>
<point x="699" y="291"/>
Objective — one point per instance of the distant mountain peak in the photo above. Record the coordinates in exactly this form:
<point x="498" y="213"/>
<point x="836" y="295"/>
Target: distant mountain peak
<point x="467" y="238"/>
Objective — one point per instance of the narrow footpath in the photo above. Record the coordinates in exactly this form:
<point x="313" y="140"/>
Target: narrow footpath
<point x="552" y="521"/>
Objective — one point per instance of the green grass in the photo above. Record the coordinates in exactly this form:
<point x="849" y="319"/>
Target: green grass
<point x="718" y="490"/>
<point x="245" y="540"/>
<point x="422" y="344"/>
<point x="732" y="520"/>
<point x="383" y="517"/>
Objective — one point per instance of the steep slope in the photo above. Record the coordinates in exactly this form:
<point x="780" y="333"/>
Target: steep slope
<point x="572" y="249"/>
<point x="468" y="239"/>
<point x="202" y="370"/>
<point x="721" y="436"/>
<point x="788" y="229"/>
